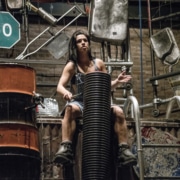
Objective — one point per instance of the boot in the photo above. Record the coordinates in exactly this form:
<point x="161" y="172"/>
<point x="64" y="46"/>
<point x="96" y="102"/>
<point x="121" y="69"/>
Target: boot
<point x="125" y="156"/>
<point x="64" y="155"/>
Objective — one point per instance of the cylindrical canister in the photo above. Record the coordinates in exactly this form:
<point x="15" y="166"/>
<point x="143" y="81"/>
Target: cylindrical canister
<point x="96" y="126"/>
<point x="19" y="137"/>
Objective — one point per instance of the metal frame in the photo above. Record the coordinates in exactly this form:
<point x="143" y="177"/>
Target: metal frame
<point x="23" y="55"/>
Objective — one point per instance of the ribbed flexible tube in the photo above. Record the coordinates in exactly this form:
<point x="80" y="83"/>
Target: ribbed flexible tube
<point x="96" y="126"/>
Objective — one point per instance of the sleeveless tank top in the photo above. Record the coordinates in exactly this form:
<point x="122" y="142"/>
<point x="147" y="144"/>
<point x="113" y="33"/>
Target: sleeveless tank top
<point x="79" y="82"/>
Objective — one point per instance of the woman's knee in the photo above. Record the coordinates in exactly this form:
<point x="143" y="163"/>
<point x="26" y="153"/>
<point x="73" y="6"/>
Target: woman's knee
<point x="118" y="114"/>
<point x="72" y="111"/>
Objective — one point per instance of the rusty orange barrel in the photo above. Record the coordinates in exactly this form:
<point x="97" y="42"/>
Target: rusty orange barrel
<point x="17" y="78"/>
<point x="19" y="137"/>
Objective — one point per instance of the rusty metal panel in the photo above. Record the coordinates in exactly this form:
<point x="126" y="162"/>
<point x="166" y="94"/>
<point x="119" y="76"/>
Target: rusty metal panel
<point x="108" y="21"/>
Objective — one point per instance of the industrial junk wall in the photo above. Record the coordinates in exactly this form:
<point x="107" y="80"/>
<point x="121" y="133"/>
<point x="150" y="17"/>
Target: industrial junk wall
<point x="30" y="120"/>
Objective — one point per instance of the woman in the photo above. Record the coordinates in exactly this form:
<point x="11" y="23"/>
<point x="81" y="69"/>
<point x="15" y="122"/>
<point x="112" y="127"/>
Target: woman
<point x="80" y="63"/>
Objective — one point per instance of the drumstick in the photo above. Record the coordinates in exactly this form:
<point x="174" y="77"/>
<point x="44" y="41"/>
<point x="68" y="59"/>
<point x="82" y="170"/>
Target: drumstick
<point x="76" y="95"/>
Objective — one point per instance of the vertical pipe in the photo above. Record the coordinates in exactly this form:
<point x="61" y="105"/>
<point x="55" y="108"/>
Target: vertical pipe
<point x="132" y="103"/>
<point x="155" y="83"/>
<point x="109" y="57"/>
<point x="141" y="63"/>
<point x="25" y="24"/>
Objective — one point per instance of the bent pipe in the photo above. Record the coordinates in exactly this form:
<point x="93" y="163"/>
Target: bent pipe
<point x="133" y="104"/>
<point x="170" y="105"/>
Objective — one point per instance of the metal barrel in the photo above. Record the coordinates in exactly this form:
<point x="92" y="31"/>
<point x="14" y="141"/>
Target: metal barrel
<point x="16" y="78"/>
<point x="19" y="142"/>
<point x="96" y="126"/>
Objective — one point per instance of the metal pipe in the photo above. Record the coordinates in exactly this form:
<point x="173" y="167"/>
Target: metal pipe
<point x="57" y="62"/>
<point x="164" y="17"/>
<point x="163" y="178"/>
<point x="151" y="51"/>
<point x="141" y="63"/>
<point x="109" y="57"/>
<point x="157" y="101"/>
<point x="167" y="75"/>
<point x="161" y="145"/>
<point x="51" y="38"/>
<point x="170" y="105"/>
<point x="133" y="104"/>
<point x="119" y="63"/>
<point x="129" y="58"/>
<point x="32" y="61"/>
<point x="25" y="22"/>
<point x="22" y="56"/>
<point x="146" y="105"/>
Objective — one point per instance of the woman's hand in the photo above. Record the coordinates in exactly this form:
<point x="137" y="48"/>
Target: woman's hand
<point x="67" y="96"/>
<point x="123" y="78"/>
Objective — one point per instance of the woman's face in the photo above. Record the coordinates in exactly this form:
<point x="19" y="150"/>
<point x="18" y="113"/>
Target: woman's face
<point x="82" y="43"/>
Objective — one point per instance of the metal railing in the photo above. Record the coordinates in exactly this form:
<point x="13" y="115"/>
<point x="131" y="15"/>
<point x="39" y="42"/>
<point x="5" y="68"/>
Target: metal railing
<point x="132" y="104"/>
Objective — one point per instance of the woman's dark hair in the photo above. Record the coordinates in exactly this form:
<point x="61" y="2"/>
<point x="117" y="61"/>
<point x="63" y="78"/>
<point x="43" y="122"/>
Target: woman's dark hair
<point x="73" y="47"/>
